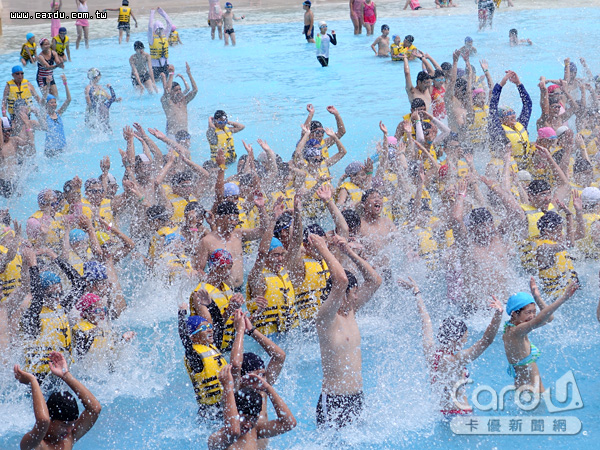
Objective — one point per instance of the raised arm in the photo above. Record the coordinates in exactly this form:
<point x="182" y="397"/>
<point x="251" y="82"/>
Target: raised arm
<point x="223" y="438"/>
<point x="428" y="342"/>
<point x="276" y="354"/>
<point x="285" y="419"/>
<point x="475" y="351"/>
<point x="408" y="82"/>
<point x="341" y="128"/>
<point x="341" y="149"/>
<point x="190" y="95"/>
<point x="329" y="309"/>
<point x="34" y="438"/>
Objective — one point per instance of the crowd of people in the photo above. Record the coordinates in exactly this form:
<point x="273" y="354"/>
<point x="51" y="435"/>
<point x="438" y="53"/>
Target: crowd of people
<point x="320" y="248"/>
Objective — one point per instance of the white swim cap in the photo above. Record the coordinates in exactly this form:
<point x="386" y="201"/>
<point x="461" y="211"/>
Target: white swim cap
<point x="93" y="73"/>
<point x="590" y="195"/>
<point x="322" y="23"/>
<point x="561" y="130"/>
<point x="523" y="175"/>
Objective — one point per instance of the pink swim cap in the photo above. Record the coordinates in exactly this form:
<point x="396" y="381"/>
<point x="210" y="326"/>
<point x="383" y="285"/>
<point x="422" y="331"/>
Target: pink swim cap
<point x="391" y="140"/>
<point x="546" y="133"/>
<point x="552" y="88"/>
<point x="478" y="91"/>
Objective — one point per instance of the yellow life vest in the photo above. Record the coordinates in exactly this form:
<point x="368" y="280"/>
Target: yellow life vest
<point x="478" y="129"/>
<point x="54" y="336"/>
<point x="179" y="204"/>
<point x="310" y="293"/>
<point x="396" y="52"/>
<point x="206" y="384"/>
<point x="55" y="232"/>
<point x="162" y="232"/>
<point x="587" y="246"/>
<point x="10" y="279"/>
<point x="85" y="330"/>
<point x="224" y="141"/>
<point x="519" y="140"/>
<point x="427" y="246"/>
<point x="556" y="277"/>
<point x="124" y="14"/>
<point x="313" y="206"/>
<point x="402" y="50"/>
<point x="105" y="209"/>
<point x="527" y="247"/>
<point x="462" y="168"/>
<point x="426" y="162"/>
<point x="221" y="297"/>
<point x="174" y="37"/>
<point x="60" y="45"/>
<point x="354" y="192"/>
<point x="31" y="47"/>
<point x="499" y="164"/>
<point x="280" y="314"/>
<point x="159" y="47"/>
<point x="85" y="209"/>
<point x="77" y="262"/>
<point x="18" y="93"/>
<point x="288" y="197"/>
<point x="176" y="264"/>
<point x="324" y="149"/>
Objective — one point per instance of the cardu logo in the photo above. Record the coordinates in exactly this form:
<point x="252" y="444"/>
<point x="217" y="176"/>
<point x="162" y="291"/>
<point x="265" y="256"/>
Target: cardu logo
<point x="556" y="400"/>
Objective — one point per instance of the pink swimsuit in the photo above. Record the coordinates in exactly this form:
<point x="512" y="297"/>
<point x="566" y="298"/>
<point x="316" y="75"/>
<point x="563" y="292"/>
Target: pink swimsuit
<point x="357" y="8"/>
<point x="370" y="12"/>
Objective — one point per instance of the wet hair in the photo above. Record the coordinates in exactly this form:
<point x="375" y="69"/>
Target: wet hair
<point x="5" y="217"/>
<point x="553" y="100"/>
<point x="479" y="216"/>
<point x="446" y="66"/>
<point x="549" y="221"/>
<point x="315" y="124"/>
<point x="368" y="193"/>
<point x="423" y="76"/>
<point x="194" y="206"/>
<point x="62" y="406"/>
<point x="409" y="38"/>
<point x="417" y="103"/>
<point x="513" y="32"/>
<point x="461" y="86"/>
<point x="90" y="182"/>
<point x="180" y="177"/>
<point x="220" y="114"/>
<point x="438" y="73"/>
<point x="451" y="330"/>
<point x="352" y="219"/>
<point x="138" y="45"/>
<point x="226" y="208"/>
<point x="582" y="165"/>
<point x="537" y="187"/>
<point x="558" y="155"/>
<point x="174" y="84"/>
<point x="413" y="168"/>
<point x="352" y="281"/>
<point x="248" y="402"/>
<point x="283" y="221"/>
<point x="182" y="135"/>
<point x="157" y="212"/>
<point x="313" y="228"/>
<point x="251" y="362"/>
<point x="68" y="186"/>
<point x="210" y="164"/>
<point x="426" y="126"/>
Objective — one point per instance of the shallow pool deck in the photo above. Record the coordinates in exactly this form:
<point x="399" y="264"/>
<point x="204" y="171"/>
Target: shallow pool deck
<point x="185" y="15"/>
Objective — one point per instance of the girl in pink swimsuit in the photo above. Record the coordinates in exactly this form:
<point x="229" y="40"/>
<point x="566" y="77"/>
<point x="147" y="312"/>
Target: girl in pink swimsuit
<point x="215" y="18"/>
<point x="55" y="23"/>
<point x="369" y="15"/>
<point x="82" y="25"/>
<point x="356" y="15"/>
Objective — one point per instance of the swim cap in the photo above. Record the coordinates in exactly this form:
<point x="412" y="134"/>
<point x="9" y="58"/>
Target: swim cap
<point x="48" y="278"/>
<point x="392" y="141"/>
<point x="248" y="402"/>
<point x="468" y="39"/>
<point x="546" y="133"/>
<point x="322" y="24"/>
<point x="125" y="2"/>
<point x="231" y="189"/>
<point x="42" y="41"/>
<point x="193" y="322"/>
<point x="182" y="135"/>
<point x="62" y="406"/>
<point x="518" y="301"/>
<point x="102" y="237"/>
<point x="77" y="235"/>
<point x="6" y="123"/>
<point x="523" y="175"/>
<point x="307" y="3"/>
<point x="157" y="212"/>
<point x="50" y="97"/>
<point x="409" y="38"/>
<point x="460" y="73"/>
<point x="478" y="91"/>
<point x="549" y="221"/>
<point x="572" y="67"/>
<point x="561" y="130"/>
<point x="590" y="195"/>
<point x="283" y="222"/>
<point x="173" y="28"/>
<point x="30" y="35"/>
<point x="313" y="228"/>
<point x="311" y="151"/>
<point x="552" y="88"/>
<point x="138" y="44"/>
<point x="228" y="5"/>
<point x="275" y="243"/>
<point x="110" y="178"/>
<point x="93" y="73"/>
<point x="62" y="30"/>
<point x="505" y="111"/>
<point x="17" y="69"/>
<point x="353" y="168"/>
<point x="86" y="302"/>
<point x="220" y="257"/>
<point x="251" y="362"/>
<point x="451" y="330"/>
<point x="94" y="271"/>
<point x="220" y="115"/>
<point x="171" y="237"/>
<point x="537" y="187"/>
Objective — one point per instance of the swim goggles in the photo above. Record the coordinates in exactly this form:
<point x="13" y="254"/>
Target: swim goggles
<point x="202" y="328"/>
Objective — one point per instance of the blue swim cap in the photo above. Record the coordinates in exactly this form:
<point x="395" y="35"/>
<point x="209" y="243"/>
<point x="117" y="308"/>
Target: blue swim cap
<point x="193" y="322"/>
<point x="30" y="35"/>
<point x="169" y="238"/>
<point x="518" y="301"/>
<point x="228" y="5"/>
<point x="48" y="279"/>
<point x="16" y="69"/>
<point x="62" y="30"/>
<point x="77" y="235"/>
<point x="94" y="271"/>
<point x="50" y="97"/>
<point x="274" y="244"/>
<point x="468" y="39"/>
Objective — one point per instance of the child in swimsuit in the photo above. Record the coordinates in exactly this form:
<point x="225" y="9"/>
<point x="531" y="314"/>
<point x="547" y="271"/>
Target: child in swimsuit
<point x="370" y="16"/>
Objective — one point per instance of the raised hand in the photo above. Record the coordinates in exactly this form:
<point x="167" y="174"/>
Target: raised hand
<point x="261" y="303"/>
<point x="408" y="284"/>
<point x="238" y="321"/>
<point x="220" y="157"/>
<point x="237" y="300"/>
<point x="305" y="129"/>
<point x="257" y="382"/>
<point x="310" y="108"/>
<point x="496" y="304"/>
<point x="383" y="128"/>
<point x="340" y="243"/>
<point x="577" y="203"/>
<point x="329" y="132"/>
<point x="58" y="364"/>
<point x="203" y="297"/>
<point x="23" y="377"/>
<point x="325" y="192"/>
<point x="332" y="109"/>
<point x="225" y="377"/>
<point x="484" y="64"/>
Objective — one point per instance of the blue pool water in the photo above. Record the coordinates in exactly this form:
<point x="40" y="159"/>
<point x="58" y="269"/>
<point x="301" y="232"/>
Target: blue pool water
<point x="265" y="83"/>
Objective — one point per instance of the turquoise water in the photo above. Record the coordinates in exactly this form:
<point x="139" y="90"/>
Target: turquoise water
<point x="265" y="83"/>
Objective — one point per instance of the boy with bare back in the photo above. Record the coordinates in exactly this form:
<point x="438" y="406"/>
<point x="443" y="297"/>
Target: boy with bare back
<point x="309" y="22"/>
<point x="383" y="43"/>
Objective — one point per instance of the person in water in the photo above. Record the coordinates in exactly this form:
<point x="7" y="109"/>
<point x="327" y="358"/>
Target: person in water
<point x="142" y="75"/>
<point x="447" y="364"/>
<point x="58" y="424"/>
<point x="382" y="43"/>
<point x="228" y="18"/>
<point x="125" y="16"/>
<point x="309" y="22"/>
<point x="520" y="352"/>
<point x="56" y="141"/>
<point x="514" y="41"/>
<point x="323" y="40"/>
<point x="99" y="101"/>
